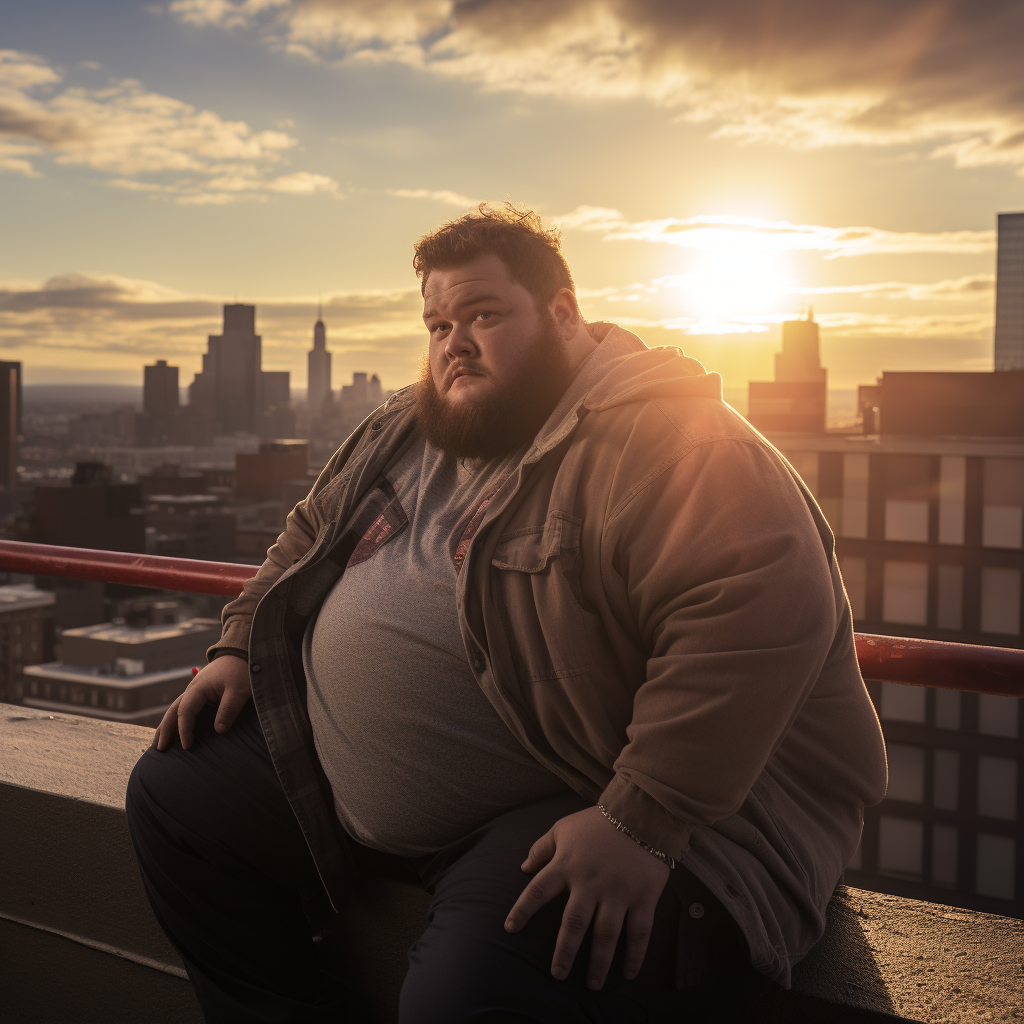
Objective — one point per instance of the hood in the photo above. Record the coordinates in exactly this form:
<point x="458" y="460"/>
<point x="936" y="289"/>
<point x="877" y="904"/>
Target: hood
<point x="623" y="369"/>
<point x="635" y="372"/>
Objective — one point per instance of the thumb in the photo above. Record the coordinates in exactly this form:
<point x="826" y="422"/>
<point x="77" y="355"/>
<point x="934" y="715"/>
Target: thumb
<point x="540" y="853"/>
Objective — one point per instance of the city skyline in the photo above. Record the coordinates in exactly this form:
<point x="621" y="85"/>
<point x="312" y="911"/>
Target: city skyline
<point x="158" y="161"/>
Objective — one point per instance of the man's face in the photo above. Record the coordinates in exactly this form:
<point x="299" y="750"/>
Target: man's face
<point x="496" y="365"/>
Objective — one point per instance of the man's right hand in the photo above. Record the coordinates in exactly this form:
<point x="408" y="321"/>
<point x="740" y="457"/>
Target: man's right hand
<point x="224" y="683"/>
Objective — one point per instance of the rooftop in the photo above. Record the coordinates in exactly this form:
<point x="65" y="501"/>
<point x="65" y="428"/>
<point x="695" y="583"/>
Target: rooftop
<point x="122" y="633"/>
<point x="18" y="596"/>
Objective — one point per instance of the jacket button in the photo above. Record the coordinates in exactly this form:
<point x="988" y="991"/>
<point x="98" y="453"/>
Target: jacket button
<point x="255" y="667"/>
<point x="478" y="663"/>
<point x="696" y="911"/>
<point x="375" y="425"/>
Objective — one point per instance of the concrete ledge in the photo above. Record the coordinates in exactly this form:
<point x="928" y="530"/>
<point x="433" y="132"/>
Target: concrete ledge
<point x="72" y="908"/>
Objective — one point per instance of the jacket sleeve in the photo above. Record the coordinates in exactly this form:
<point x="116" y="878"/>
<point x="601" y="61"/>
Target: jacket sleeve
<point x="728" y="579"/>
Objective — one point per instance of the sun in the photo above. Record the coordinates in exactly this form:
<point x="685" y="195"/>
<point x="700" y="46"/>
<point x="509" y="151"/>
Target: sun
<point x="734" y="284"/>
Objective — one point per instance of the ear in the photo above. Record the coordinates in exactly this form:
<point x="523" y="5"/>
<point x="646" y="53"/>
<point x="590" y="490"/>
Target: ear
<point x="566" y="312"/>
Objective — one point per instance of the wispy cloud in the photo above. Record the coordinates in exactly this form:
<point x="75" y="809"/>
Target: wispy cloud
<point x="117" y="321"/>
<point x="147" y="141"/>
<point x="435" y="195"/>
<point x="941" y="75"/>
<point x="752" y="235"/>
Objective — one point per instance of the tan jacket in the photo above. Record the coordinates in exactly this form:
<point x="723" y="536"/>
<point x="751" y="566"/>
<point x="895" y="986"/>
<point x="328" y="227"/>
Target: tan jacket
<point x="653" y="606"/>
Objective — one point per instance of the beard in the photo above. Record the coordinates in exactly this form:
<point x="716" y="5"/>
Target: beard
<point x="511" y="416"/>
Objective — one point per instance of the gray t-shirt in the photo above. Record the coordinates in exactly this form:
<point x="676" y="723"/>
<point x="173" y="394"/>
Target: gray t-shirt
<point x="415" y="754"/>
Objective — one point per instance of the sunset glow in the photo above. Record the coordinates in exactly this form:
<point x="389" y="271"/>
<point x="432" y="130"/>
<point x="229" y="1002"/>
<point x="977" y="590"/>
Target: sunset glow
<point x="158" y="160"/>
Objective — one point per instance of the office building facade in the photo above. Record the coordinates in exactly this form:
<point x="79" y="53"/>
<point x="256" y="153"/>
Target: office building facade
<point x="1009" y="335"/>
<point x="930" y="542"/>
<point x="26" y="633"/>
<point x="119" y="672"/>
<point x="10" y="423"/>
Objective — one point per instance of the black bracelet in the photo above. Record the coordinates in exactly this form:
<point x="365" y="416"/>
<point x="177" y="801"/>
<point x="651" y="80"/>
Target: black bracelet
<point x="663" y="857"/>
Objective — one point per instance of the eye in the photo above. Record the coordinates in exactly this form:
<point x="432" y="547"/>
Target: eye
<point x="439" y="327"/>
<point x="484" y="316"/>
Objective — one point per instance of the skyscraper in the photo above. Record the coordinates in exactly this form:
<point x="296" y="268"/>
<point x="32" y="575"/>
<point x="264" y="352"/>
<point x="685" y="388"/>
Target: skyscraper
<point x="230" y="388"/>
<point x="796" y="400"/>
<point x="159" y="403"/>
<point x="10" y="422"/>
<point x="1010" y="293"/>
<point x="233" y="393"/>
<point x="319" y="365"/>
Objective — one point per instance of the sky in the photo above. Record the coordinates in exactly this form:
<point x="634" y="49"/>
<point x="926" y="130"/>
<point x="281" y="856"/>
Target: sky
<point x="715" y="168"/>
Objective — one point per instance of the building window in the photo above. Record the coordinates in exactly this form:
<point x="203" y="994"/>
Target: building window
<point x="902" y="703"/>
<point x="906" y="520"/>
<point x="1003" y="500"/>
<point x="998" y="715"/>
<point x="950" y="614"/>
<point x="855" y="577"/>
<point x="996" y="864"/>
<point x="906" y="773"/>
<point x="855" y="496"/>
<point x="944" y="843"/>
<point x="952" y="492"/>
<point x="899" y="847"/>
<point x="947" y="709"/>
<point x="905" y="593"/>
<point x="1000" y="601"/>
<point x="946" y="781"/>
<point x="997" y="787"/>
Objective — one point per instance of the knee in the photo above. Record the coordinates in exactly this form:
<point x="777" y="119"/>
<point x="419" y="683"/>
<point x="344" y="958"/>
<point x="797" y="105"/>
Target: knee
<point x="468" y="988"/>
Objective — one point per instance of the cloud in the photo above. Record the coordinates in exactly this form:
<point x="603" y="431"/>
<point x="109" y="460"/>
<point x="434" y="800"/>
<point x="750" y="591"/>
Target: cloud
<point x="148" y="141"/>
<point x="975" y="286"/>
<point x="112" y="321"/>
<point x="436" y="195"/>
<point x="752" y="235"/>
<point x="943" y="74"/>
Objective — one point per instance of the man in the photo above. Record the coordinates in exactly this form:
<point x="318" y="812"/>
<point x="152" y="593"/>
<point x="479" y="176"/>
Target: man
<point x="558" y="634"/>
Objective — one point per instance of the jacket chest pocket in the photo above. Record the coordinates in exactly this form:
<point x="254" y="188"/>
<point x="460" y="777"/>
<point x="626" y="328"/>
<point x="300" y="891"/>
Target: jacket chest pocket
<point x="535" y="585"/>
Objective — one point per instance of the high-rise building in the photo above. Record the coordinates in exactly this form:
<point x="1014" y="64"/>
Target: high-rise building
<point x="233" y="393"/>
<point x="319" y="365"/>
<point x="1010" y="293"/>
<point x="10" y="422"/>
<point x="159" y="404"/>
<point x="229" y="389"/>
<point x="796" y="400"/>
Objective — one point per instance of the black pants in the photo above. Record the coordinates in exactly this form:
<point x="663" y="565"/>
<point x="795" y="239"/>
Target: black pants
<point x="225" y="867"/>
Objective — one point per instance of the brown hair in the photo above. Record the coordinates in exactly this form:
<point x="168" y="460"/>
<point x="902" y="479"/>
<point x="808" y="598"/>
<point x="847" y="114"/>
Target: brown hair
<point x="518" y="237"/>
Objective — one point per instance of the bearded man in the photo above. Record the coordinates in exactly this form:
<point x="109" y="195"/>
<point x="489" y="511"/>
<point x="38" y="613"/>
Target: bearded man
<point x="559" y="635"/>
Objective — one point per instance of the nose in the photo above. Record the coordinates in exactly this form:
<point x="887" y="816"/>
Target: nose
<point x="460" y="342"/>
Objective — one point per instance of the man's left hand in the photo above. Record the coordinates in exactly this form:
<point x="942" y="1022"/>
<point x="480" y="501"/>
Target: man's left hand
<point x="610" y="878"/>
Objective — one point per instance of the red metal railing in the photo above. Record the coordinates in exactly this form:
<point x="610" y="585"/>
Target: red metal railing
<point x="970" y="667"/>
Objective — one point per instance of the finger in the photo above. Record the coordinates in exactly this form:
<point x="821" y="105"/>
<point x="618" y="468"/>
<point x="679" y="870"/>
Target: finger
<point x="540" y="853"/>
<point x="639" y="925"/>
<point x="168" y="727"/>
<point x="544" y="887"/>
<point x="192" y="702"/>
<point x="579" y="912"/>
<point x="230" y="705"/>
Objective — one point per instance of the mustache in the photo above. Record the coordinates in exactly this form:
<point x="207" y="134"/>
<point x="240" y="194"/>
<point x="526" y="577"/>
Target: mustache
<point x="460" y="368"/>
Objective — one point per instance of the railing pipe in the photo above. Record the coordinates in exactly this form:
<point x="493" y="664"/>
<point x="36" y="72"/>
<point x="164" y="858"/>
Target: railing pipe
<point x="893" y="659"/>
<point x="188" y="574"/>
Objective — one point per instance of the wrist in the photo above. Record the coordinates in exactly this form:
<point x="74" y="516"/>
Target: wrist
<point x="668" y="861"/>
